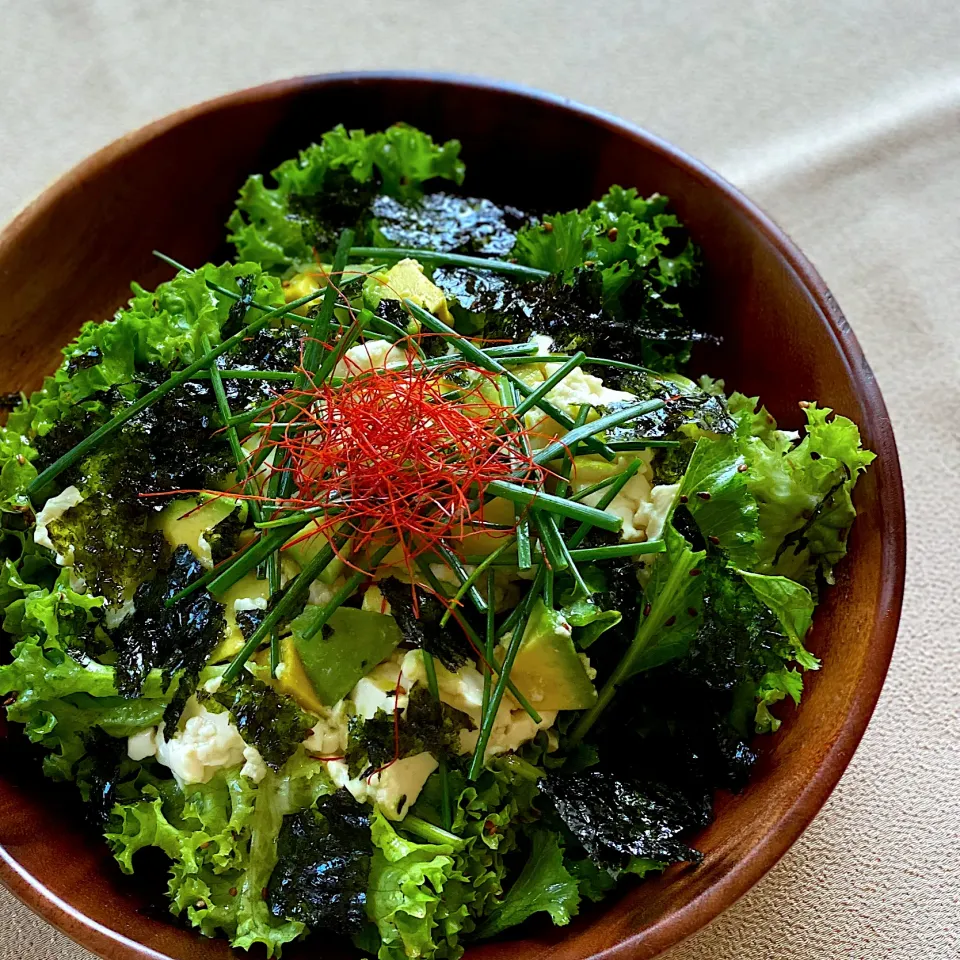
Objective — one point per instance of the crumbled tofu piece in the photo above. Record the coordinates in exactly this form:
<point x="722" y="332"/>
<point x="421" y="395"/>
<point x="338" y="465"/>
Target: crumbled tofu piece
<point x="207" y="742"/>
<point x="394" y="789"/>
<point x="254" y="768"/>
<point x="369" y="355"/>
<point x="328" y="738"/>
<point x="143" y="744"/>
<point x="52" y="510"/>
<point x="653" y="513"/>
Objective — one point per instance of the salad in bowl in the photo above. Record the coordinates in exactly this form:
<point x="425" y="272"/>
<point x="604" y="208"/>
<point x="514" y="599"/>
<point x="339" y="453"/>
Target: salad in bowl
<point x="393" y="580"/>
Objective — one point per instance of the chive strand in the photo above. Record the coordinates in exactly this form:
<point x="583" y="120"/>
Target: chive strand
<point x="595" y="487"/>
<point x="452" y="259"/>
<point x="478" y="644"/>
<point x="562" y="445"/>
<point x="491" y="642"/>
<point x="496" y="698"/>
<point x="292" y="595"/>
<point x="533" y="398"/>
<point x="231" y="374"/>
<point x="210" y="575"/>
<point x="548" y="503"/>
<point x="285" y="311"/>
<point x="223" y="405"/>
<point x="320" y="331"/>
<point x="345" y="592"/>
<point x="472" y="579"/>
<point x="581" y="532"/>
<point x="642" y="443"/>
<point x="508" y="398"/>
<point x="249" y="561"/>
<point x="517" y="612"/>
<point x="474" y="354"/>
<point x="585" y="554"/>
<point x="566" y="469"/>
<point x="467" y="583"/>
<point x="176" y="380"/>
<point x="511" y="350"/>
<point x="430" y="832"/>
<point x="550" y="541"/>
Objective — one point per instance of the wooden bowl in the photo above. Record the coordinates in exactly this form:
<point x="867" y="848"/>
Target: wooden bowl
<point x="70" y="256"/>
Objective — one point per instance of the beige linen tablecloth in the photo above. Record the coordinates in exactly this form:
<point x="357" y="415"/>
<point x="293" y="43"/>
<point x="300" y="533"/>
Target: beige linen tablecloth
<point x="842" y="119"/>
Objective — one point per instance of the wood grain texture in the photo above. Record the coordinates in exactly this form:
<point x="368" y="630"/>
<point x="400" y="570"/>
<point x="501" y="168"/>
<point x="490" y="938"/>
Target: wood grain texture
<point x="68" y="258"/>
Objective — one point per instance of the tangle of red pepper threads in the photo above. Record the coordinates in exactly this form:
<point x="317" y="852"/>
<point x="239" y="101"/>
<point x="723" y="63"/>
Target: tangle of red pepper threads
<point x="398" y="451"/>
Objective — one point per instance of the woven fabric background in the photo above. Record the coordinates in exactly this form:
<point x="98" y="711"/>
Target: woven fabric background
<point x="842" y="119"/>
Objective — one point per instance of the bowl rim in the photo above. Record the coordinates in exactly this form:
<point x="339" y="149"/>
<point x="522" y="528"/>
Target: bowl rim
<point x="679" y="924"/>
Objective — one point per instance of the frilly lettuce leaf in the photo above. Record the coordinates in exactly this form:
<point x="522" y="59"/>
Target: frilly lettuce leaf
<point x="543" y="885"/>
<point x="222" y="840"/>
<point x="156" y="327"/>
<point x="717" y="497"/>
<point x="331" y="185"/>
<point x="803" y="488"/>
<point x="63" y="702"/>
<point x="406" y="895"/>
<point x="489" y="815"/>
<point x="648" y="268"/>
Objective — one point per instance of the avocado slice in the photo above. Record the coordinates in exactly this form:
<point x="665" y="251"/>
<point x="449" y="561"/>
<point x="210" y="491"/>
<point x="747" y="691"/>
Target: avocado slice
<point x="406" y="280"/>
<point x="548" y="669"/>
<point x="184" y="522"/>
<point x="350" y="645"/>
<point x="303" y="550"/>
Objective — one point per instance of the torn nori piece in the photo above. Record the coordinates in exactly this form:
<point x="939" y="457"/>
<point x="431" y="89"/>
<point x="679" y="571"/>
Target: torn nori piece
<point x="100" y="774"/>
<point x="268" y="349"/>
<point x="343" y="202"/>
<point x="616" y="818"/>
<point x="575" y="316"/>
<point x="671" y="727"/>
<point x="426" y="726"/>
<point x="422" y="629"/>
<point x="275" y="725"/>
<point x="249" y="620"/>
<point x="323" y="865"/>
<point x="449" y="224"/>
<point x="224" y="536"/>
<point x="687" y="404"/>
<point x="177" y="640"/>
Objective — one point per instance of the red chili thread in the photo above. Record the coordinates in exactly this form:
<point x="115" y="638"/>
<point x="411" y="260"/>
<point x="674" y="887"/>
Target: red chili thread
<point x="400" y="460"/>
